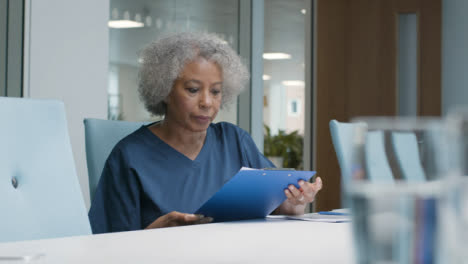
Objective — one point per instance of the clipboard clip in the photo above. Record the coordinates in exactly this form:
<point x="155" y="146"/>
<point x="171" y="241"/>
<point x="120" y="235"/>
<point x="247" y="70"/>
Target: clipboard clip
<point x="280" y="169"/>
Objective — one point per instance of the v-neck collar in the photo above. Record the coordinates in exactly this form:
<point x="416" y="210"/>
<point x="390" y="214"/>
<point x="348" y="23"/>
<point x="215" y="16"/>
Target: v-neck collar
<point x="166" y="147"/>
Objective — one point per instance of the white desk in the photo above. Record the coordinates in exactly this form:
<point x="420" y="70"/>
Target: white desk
<point x="257" y="241"/>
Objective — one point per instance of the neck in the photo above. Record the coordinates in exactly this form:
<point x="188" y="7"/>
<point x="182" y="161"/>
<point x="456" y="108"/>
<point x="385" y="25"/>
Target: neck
<point x="181" y="139"/>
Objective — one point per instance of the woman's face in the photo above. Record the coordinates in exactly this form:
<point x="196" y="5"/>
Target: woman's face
<point x="195" y="98"/>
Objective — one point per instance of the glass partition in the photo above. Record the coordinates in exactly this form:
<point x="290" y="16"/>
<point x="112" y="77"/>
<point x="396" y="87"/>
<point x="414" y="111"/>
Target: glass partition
<point x="134" y="24"/>
<point x="284" y="81"/>
<point x="3" y="46"/>
<point x="11" y="48"/>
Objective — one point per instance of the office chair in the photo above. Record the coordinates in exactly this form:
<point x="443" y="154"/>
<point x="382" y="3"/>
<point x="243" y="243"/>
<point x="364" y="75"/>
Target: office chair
<point x="405" y="147"/>
<point x="377" y="166"/>
<point x="101" y="136"/>
<point x="343" y="138"/>
<point x="40" y="196"/>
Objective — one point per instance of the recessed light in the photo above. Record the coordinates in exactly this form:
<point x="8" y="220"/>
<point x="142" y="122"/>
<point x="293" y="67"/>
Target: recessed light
<point x="125" y="24"/>
<point x="266" y="77"/>
<point x="303" y="11"/>
<point x="276" y="56"/>
<point x="293" y="83"/>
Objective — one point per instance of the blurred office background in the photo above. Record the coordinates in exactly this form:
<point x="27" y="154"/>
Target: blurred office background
<point x="85" y="53"/>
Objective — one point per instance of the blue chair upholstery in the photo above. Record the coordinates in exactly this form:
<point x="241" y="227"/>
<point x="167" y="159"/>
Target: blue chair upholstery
<point x="101" y="136"/>
<point x="377" y="166"/>
<point x="343" y="136"/>
<point x="40" y="196"/>
<point x="405" y="147"/>
<point x="344" y="141"/>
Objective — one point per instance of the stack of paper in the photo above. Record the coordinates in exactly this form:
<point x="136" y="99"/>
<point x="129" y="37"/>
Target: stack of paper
<point x="335" y="216"/>
<point x="319" y="217"/>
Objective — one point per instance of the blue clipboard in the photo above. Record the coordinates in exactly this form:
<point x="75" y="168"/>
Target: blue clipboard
<point x="251" y="193"/>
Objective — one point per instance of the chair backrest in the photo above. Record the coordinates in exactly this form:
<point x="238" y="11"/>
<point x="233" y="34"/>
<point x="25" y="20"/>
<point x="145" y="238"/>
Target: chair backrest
<point x="101" y="136"/>
<point x="377" y="166"/>
<point x="405" y="147"/>
<point x="40" y="195"/>
<point x="343" y="136"/>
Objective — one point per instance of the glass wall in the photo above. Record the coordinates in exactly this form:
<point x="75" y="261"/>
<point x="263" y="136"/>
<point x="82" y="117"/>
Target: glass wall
<point x="284" y="80"/>
<point x="3" y="45"/>
<point x="11" y="48"/>
<point x="134" y="24"/>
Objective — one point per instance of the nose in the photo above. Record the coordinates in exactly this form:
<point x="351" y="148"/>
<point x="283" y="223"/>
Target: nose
<point x="205" y="99"/>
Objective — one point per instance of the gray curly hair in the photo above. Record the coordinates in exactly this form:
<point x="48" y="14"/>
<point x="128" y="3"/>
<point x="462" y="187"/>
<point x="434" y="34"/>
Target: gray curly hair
<point x="164" y="60"/>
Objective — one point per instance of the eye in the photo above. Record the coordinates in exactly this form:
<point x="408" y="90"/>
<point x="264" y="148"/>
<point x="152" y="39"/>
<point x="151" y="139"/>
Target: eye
<point x="192" y="89"/>
<point x="216" y="91"/>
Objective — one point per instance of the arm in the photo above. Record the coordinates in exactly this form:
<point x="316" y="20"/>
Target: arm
<point x="297" y="198"/>
<point x="115" y="206"/>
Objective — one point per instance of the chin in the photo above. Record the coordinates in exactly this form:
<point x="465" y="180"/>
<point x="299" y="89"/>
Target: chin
<point x="199" y="128"/>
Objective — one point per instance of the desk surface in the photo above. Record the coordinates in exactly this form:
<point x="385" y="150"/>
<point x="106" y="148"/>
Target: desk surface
<point x="257" y="241"/>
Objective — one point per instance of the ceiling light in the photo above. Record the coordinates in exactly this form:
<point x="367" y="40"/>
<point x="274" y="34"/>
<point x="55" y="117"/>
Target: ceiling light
<point x="125" y="24"/>
<point x="276" y="56"/>
<point x="303" y="11"/>
<point x="293" y="83"/>
<point x="266" y="77"/>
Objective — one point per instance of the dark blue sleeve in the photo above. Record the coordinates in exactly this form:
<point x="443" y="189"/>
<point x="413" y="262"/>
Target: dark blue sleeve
<point x="116" y="203"/>
<point x="251" y="153"/>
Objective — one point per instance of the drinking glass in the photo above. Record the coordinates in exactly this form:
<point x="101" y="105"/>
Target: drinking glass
<point x="401" y="189"/>
<point x="459" y="118"/>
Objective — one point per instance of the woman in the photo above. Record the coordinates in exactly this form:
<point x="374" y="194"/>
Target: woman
<point x="156" y="175"/>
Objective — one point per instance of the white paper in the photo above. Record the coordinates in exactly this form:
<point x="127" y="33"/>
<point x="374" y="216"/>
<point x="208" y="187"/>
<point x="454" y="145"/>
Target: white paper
<point x="315" y="217"/>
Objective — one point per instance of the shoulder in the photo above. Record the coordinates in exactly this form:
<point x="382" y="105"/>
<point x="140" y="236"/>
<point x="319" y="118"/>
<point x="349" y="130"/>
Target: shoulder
<point x="228" y="129"/>
<point x="131" y="143"/>
<point x="228" y="133"/>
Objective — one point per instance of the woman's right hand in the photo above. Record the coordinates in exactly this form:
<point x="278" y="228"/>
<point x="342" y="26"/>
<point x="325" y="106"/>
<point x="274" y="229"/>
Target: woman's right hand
<point x="179" y="219"/>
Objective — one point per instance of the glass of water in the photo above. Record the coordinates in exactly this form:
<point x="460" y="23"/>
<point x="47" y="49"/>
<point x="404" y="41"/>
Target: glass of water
<point x="459" y="118"/>
<point x="401" y="189"/>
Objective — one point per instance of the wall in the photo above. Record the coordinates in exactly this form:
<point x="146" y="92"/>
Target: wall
<point x="133" y="109"/>
<point x="66" y="46"/>
<point x="454" y="54"/>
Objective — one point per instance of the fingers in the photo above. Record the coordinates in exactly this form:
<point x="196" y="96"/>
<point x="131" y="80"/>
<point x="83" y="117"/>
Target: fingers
<point x="194" y="219"/>
<point x="191" y="217"/>
<point x="205" y="220"/>
<point x="179" y="219"/>
<point x="294" y="195"/>
<point x="305" y="194"/>
<point x="318" y="184"/>
<point x="173" y="219"/>
<point x="311" y="189"/>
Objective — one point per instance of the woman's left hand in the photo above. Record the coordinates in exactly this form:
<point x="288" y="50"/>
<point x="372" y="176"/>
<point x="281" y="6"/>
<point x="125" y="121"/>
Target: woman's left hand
<point x="299" y="198"/>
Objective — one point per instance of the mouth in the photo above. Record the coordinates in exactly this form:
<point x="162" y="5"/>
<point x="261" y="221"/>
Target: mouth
<point x="203" y="119"/>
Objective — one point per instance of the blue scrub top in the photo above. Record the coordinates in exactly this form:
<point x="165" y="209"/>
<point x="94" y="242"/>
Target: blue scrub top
<point x="145" y="178"/>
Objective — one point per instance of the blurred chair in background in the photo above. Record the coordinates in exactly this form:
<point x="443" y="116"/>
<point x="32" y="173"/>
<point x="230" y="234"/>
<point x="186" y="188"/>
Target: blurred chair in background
<point x="40" y="195"/>
<point x="101" y="136"/>
<point x="377" y="166"/>
<point x="405" y="147"/>
<point x="343" y="136"/>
